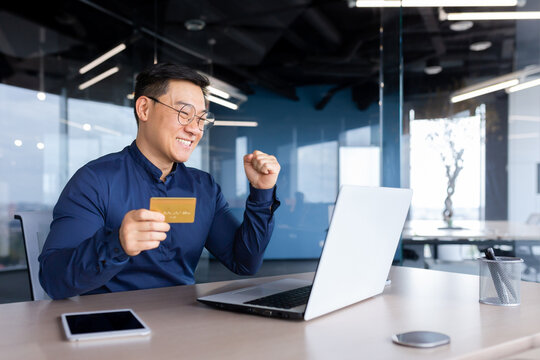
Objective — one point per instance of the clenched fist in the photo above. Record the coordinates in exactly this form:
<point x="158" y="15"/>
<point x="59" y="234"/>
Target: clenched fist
<point x="261" y="169"/>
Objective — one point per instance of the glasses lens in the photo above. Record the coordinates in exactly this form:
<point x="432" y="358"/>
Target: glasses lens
<point x="206" y="121"/>
<point x="186" y="114"/>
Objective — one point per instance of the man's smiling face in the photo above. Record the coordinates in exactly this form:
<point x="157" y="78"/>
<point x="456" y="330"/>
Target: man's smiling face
<point x="170" y="141"/>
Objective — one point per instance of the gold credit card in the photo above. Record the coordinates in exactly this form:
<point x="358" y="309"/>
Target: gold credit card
<point x="176" y="210"/>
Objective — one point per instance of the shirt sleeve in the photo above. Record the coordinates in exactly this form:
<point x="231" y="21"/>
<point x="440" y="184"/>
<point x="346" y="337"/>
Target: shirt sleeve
<point x="240" y="247"/>
<point x="80" y="253"/>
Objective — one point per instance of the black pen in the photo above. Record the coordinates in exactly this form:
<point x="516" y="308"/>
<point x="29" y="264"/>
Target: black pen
<point x="490" y="254"/>
<point x="496" y="276"/>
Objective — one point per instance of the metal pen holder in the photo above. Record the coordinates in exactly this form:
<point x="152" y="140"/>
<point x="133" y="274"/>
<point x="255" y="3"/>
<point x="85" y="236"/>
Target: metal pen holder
<point x="500" y="281"/>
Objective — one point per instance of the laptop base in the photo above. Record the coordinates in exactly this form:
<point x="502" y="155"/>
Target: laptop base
<point x="276" y="313"/>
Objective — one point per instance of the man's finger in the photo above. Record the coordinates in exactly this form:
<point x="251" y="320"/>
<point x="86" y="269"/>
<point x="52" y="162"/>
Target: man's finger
<point x="148" y="245"/>
<point x="151" y="236"/>
<point x="147" y="215"/>
<point x="154" y="226"/>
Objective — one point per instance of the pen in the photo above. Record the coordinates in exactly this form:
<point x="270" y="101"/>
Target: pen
<point x="499" y="278"/>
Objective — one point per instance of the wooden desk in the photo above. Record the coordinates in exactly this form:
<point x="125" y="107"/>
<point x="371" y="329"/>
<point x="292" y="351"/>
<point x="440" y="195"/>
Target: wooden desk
<point x="182" y="328"/>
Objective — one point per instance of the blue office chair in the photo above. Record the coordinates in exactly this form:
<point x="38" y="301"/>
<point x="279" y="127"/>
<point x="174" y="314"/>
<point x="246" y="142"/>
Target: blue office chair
<point x="35" y="228"/>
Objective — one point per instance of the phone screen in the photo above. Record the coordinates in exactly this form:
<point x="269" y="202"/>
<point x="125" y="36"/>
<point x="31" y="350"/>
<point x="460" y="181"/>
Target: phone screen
<point x="102" y="322"/>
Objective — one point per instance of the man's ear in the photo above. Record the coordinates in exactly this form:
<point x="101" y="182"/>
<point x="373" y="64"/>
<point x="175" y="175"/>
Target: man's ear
<point x="141" y="106"/>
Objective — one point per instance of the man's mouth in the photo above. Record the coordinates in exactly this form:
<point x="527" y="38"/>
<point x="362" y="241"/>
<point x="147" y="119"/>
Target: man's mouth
<point x="184" y="142"/>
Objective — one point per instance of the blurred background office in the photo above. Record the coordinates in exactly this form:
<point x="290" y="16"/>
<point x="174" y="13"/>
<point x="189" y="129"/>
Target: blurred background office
<point x="440" y="96"/>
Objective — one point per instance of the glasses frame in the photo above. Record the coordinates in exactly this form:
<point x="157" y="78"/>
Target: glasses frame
<point x="206" y="124"/>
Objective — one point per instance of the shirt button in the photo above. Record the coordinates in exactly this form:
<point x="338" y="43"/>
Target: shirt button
<point x="97" y="268"/>
<point x="116" y="250"/>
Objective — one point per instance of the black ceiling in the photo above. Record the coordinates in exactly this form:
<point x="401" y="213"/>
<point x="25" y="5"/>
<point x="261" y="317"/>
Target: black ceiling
<point x="278" y="44"/>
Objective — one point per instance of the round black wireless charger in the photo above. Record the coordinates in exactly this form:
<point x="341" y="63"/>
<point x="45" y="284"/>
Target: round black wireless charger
<point x="421" y="339"/>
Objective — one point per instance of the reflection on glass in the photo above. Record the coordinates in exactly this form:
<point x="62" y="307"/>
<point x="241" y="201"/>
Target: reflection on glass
<point x="40" y="150"/>
<point x="447" y="166"/>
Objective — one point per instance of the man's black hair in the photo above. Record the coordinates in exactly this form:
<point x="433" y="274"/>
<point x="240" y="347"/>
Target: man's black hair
<point x="154" y="81"/>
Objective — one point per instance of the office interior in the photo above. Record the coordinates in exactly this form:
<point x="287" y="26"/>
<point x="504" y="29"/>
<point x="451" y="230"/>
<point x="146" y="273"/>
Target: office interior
<point x="342" y="92"/>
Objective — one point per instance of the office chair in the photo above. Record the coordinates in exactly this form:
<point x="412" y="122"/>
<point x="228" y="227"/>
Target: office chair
<point x="35" y="228"/>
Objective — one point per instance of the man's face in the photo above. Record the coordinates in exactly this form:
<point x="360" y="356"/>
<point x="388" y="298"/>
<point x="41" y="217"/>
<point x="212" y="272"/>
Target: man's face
<point x="170" y="141"/>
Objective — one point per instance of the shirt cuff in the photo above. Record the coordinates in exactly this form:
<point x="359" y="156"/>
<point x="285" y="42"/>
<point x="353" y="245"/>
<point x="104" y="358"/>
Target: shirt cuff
<point x="115" y="249"/>
<point x="264" y="197"/>
<point x="261" y="195"/>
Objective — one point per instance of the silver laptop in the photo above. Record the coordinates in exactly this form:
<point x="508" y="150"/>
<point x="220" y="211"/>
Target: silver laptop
<point x="363" y="236"/>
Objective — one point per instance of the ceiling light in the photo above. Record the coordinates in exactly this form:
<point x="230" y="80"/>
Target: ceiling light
<point x="40" y="146"/>
<point x="109" y="54"/>
<point x="483" y="90"/>
<point x="98" y="78"/>
<point x="18" y="143"/>
<point x="41" y="96"/>
<point x="434" y="3"/>
<point x="461" y="25"/>
<point x="523" y="86"/>
<point x="87" y="127"/>
<point x="433" y="70"/>
<point x="378" y="3"/>
<point x="236" y="123"/>
<point x="222" y="102"/>
<point x="480" y="46"/>
<point x="432" y="67"/>
<point x="194" y="24"/>
<point x="506" y="15"/>
<point x="130" y="96"/>
<point x="218" y="92"/>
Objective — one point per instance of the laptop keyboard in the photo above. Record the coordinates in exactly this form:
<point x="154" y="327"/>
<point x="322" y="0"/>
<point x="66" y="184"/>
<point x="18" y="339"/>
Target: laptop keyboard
<point x="284" y="300"/>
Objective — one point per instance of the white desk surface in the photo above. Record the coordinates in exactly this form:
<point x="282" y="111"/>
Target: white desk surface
<point x="471" y="229"/>
<point x="182" y="328"/>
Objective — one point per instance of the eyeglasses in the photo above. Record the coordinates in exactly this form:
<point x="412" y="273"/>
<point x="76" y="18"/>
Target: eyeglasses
<point x="186" y="114"/>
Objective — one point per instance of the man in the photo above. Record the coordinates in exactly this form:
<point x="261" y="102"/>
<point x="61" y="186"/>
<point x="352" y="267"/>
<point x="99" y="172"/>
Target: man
<point x="103" y="238"/>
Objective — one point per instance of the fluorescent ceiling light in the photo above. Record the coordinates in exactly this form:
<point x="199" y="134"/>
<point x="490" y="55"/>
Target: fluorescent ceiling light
<point x="218" y="92"/>
<point x="222" y="102"/>
<point x="433" y="69"/>
<point x="434" y="3"/>
<point x="522" y="86"/>
<point x="109" y="54"/>
<point x="216" y="84"/>
<point x="480" y="46"/>
<point x="236" y="123"/>
<point x="98" y="78"/>
<point x="503" y="15"/>
<point x="88" y="127"/>
<point x="484" y="90"/>
<point x="461" y="25"/>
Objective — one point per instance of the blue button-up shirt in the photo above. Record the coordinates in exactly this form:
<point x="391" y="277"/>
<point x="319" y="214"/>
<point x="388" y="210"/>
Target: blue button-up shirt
<point x="83" y="255"/>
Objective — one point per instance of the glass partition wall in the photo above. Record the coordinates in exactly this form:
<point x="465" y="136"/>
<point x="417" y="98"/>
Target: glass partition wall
<point x="471" y="120"/>
<point x="320" y="115"/>
<point x="414" y="97"/>
<point x="340" y="93"/>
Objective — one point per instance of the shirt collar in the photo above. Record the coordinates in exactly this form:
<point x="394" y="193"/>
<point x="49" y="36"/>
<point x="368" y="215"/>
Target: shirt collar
<point x="150" y="168"/>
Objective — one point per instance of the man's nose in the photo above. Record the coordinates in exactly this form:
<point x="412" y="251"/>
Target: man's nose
<point x="193" y="127"/>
